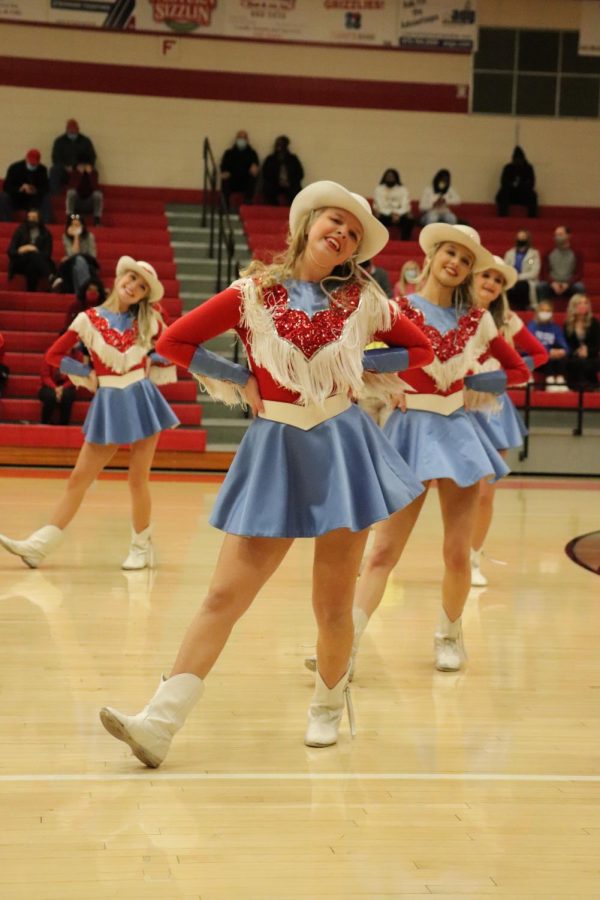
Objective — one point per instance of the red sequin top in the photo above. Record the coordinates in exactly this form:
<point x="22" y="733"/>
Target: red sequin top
<point x="451" y="346"/>
<point x="309" y="334"/>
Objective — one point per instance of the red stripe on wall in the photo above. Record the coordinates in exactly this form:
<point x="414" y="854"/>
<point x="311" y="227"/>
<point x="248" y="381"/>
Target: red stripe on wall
<point x="232" y="86"/>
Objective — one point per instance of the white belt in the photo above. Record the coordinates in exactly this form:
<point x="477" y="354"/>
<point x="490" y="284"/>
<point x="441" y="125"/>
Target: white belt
<point x="305" y="417"/>
<point x="121" y="381"/>
<point x="436" y="403"/>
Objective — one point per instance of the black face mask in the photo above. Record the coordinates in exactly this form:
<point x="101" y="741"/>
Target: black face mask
<point x="522" y="244"/>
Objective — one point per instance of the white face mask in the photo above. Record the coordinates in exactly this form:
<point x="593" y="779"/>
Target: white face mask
<point x="544" y="316"/>
<point x="241" y="143"/>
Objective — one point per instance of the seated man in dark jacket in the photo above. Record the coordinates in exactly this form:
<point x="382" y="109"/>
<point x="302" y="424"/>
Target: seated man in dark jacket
<point x="282" y="174"/>
<point x="25" y="187"/>
<point x="30" y="253"/>
<point x="69" y="149"/>
<point x="517" y="184"/>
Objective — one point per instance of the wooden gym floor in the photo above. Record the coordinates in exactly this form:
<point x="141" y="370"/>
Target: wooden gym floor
<point x="484" y="783"/>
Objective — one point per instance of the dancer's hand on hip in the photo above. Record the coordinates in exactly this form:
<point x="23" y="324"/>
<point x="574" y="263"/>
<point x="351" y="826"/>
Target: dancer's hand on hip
<point x="252" y="396"/>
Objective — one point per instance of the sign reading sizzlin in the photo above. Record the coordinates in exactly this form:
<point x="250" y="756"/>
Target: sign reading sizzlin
<point x="183" y="15"/>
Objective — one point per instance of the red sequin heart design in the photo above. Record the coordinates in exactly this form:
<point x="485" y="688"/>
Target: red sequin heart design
<point x="325" y="327"/>
<point x="114" y="338"/>
<point x="453" y="342"/>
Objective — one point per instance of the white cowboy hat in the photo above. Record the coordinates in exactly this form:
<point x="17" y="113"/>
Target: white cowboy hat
<point x="145" y="271"/>
<point x="440" y="233"/>
<point x="323" y="194"/>
<point x="509" y="273"/>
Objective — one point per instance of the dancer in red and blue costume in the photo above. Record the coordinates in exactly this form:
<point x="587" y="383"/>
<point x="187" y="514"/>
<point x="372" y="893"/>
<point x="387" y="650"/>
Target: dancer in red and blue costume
<point x="502" y="425"/>
<point x="312" y="463"/>
<point x="127" y="408"/>
<point x="436" y="435"/>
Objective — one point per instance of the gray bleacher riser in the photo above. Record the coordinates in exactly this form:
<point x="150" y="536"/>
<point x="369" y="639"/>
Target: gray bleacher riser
<point x="224" y="430"/>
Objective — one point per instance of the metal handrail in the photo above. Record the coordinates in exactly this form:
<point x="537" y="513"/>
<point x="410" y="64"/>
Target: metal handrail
<point x="209" y="193"/>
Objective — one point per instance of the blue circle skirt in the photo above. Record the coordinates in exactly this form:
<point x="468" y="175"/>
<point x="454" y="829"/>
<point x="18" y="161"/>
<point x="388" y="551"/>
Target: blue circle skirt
<point x="286" y="482"/>
<point x="126" y="415"/>
<point x="436" y="446"/>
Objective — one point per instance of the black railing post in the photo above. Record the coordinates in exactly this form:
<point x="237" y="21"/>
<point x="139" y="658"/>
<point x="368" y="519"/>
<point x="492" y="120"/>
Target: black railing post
<point x="578" y="430"/>
<point x="524" y="453"/>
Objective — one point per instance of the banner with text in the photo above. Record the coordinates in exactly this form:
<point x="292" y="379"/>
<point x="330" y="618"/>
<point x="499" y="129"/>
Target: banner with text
<point x="425" y="24"/>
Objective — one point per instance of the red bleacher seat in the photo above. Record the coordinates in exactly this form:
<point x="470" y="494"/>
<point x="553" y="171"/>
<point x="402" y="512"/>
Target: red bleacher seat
<point x="134" y="224"/>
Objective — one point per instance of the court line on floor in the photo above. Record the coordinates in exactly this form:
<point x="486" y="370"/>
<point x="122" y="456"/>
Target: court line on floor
<point x="153" y="775"/>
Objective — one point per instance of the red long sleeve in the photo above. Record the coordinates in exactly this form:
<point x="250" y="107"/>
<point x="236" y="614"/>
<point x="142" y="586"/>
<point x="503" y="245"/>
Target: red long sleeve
<point x="530" y="346"/>
<point x="516" y="370"/>
<point x="62" y="346"/>
<point x="405" y="333"/>
<point x="181" y="339"/>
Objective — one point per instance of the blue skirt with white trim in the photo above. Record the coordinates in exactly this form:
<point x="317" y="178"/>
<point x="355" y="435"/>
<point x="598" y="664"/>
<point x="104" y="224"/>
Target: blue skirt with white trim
<point x="505" y="428"/>
<point x="436" y="446"/>
<point x="126" y="415"/>
<point x="286" y="482"/>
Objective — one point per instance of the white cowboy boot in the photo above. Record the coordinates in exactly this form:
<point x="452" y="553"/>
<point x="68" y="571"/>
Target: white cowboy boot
<point x="150" y="732"/>
<point x="34" y="549"/>
<point x="450" y="651"/>
<point x="478" y="579"/>
<point x="141" y="550"/>
<point x="360" y="620"/>
<point x="326" y="710"/>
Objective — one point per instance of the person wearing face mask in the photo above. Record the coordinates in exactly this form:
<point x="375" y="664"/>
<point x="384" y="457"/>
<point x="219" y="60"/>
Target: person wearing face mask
<point x="68" y="150"/>
<point x="25" y="187"/>
<point x="410" y="275"/>
<point x="79" y="267"/>
<point x="239" y="169"/>
<point x="83" y="193"/>
<point x="526" y="260"/>
<point x="391" y="203"/>
<point x="551" y="336"/>
<point x="562" y="269"/>
<point x="582" y="331"/>
<point x="282" y="174"/>
<point x="517" y="184"/>
<point x="437" y="199"/>
<point x="30" y="253"/>
<point x="119" y="337"/>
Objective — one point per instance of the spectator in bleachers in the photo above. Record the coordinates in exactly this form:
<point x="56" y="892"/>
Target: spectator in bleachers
<point x="410" y="275"/>
<point x="25" y="187"/>
<point x="582" y="332"/>
<point x="56" y="392"/>
<point x="282" y="174"/>
<point x="4" y="370"/>
<point x="551" y="336"/>
<point x="437" y="198"/>
<point x="391" y="203"/>
<point x="79" y="267"/>
<point x="83" y="193"/>
<point x="517" y="184"/>
<point x="562" y="268"/>
<point x="239" y="169"/>
<point x="526" y="260"/>
<point x="68" y="150"/>
<point x="378" y="275"/>
<point x="30" y="253"/>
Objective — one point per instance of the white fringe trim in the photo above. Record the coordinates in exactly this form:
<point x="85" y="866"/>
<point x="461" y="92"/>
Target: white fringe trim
<point x="116" y="360"/>
<point x="446" y="373"/>
<point x="335" y="367"/>
<point x="84" y="381"/>
<point x="387" y="388"/>
<point x="482" y="401"/>
<point x="226" y="391"/>
<point x="163" y="374"/>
